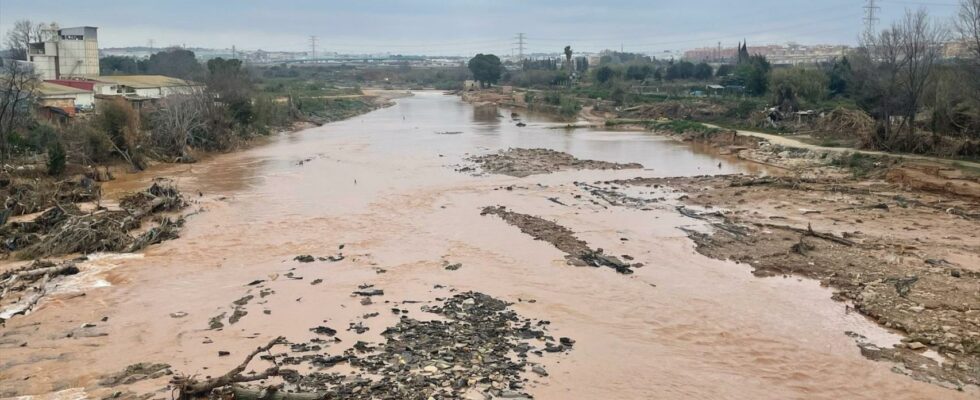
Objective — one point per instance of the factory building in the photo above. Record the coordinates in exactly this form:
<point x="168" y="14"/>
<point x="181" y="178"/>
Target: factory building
<point x="67" y="61"/>
<point x="66" y="53"/>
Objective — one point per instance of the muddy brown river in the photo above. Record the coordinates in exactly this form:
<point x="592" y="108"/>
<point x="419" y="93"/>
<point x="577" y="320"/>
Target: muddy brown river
<point x="385" y="186"/>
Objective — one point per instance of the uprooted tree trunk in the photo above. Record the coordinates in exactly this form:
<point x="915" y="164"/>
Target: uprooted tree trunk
<point x="190" y="388"/>
<point x="34" y="277"/>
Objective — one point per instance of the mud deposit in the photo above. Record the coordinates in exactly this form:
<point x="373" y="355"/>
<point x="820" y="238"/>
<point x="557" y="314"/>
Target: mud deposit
<point x="525" y="162"/>
<point x="907" y="260"/>
<point x="351" y="260"/>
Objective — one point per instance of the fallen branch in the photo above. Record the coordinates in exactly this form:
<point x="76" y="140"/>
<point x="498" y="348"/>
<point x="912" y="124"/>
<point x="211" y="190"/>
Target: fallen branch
<point x="190" y="388"/>
<point x="810" y="232"/>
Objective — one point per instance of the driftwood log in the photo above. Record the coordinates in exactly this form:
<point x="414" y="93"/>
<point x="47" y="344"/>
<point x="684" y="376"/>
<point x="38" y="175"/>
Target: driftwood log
<point x="27" y="304"/>
<point x="189" y="388"/>
<point x="810" y="232"/>
<point x="247" y="393"/>
<point x="21" y="279"/>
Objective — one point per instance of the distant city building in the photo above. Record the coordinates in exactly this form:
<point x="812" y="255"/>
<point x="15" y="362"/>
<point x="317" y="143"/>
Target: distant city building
<point x="789" y="54"/>
<point x="66" y="53"/>
<point x="956" y="49"/>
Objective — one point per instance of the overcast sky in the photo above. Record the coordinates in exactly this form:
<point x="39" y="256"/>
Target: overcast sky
<point x="462" y="27"/>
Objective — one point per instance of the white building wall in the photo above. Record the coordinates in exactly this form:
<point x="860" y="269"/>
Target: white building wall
<point x="153" y="93"/>
<point x="69" y="53"/>
<point x="45" y="66"/>
<point x="173" y="90"/>
<point x="105" y="89"/>
<point x="85" y="101"/>
<point x="76" y="58"/>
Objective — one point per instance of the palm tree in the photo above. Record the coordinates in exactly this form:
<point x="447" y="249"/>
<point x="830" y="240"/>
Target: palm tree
<point x="568" y="57"/>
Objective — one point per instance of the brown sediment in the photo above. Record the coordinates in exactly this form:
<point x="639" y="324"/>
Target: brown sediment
<point x="684" y="326"/>
<point x="520" y="163"/>
<point x="906" y="259"/>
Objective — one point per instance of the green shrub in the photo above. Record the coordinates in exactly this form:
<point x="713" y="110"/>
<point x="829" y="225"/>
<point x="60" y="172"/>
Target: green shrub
<point x="744" y="109"/>
<point x="568" y="107"/>
<point x="552" y="98"/>
<point x="56" y="158"/>
<point x="858" y="163"/>
<point x="684" y="126"/>
<point x="97" y="146"/>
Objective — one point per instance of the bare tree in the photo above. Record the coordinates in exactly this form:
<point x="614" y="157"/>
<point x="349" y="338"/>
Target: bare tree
<point x="921" y="42"/>
<point x="176" y="122"/>
<point x="902" y="60"/>
<point x="18" y="83"/>
<point x="22" y="35"/>
<point x="967" y="25"/>
<point x="879" y="61"/>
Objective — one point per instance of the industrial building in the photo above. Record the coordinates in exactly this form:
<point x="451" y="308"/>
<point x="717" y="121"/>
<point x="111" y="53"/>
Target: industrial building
<point x="67" y="61"/>
<point x="144" y="86"/>
<point x="66" y="53"/>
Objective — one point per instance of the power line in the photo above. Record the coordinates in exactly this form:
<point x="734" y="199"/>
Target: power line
<point x="313" y="40"/>
<point x="870" y="17"/>
<point x="520" y="46"/>
<point x="921" y="3"/>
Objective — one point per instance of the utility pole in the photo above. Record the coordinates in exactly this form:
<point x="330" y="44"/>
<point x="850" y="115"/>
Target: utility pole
<point x="313" y="40"/>
<point x="870" y="17"/>
<point x="520" y="47"/>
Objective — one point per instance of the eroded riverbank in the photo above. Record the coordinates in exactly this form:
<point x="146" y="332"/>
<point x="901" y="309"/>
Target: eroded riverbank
<point x="384" y="186"/>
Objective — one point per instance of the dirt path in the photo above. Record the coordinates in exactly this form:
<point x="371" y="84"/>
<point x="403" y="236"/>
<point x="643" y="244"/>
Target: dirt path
<point x="793" y="143"/>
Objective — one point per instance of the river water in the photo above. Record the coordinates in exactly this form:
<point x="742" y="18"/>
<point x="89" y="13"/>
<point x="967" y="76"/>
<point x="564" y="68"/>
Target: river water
<point x="384" y="186"/>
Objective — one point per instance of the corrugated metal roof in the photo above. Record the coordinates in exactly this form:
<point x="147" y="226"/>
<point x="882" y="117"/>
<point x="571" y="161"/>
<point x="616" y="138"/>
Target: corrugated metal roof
<point x="53" y="89"/>
<point x="146" y="81"/>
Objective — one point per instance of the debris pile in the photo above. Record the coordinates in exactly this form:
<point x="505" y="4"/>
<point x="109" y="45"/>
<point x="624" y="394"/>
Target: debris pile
<point x="27" y="196"/>
<point x="846" y="123"/>
<point x="480" y="347"/>
<point x="525" y="162"/>
<point x="64" y="229"/>
<point x="578" y="252"/>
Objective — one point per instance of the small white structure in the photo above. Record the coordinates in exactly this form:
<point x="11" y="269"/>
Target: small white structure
<point x="145" y="86"/>
<point x="65" y="98"/>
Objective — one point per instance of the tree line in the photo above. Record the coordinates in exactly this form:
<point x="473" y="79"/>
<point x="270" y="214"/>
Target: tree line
<point x="920" y="98"/>
<point x="224" y="112"/>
